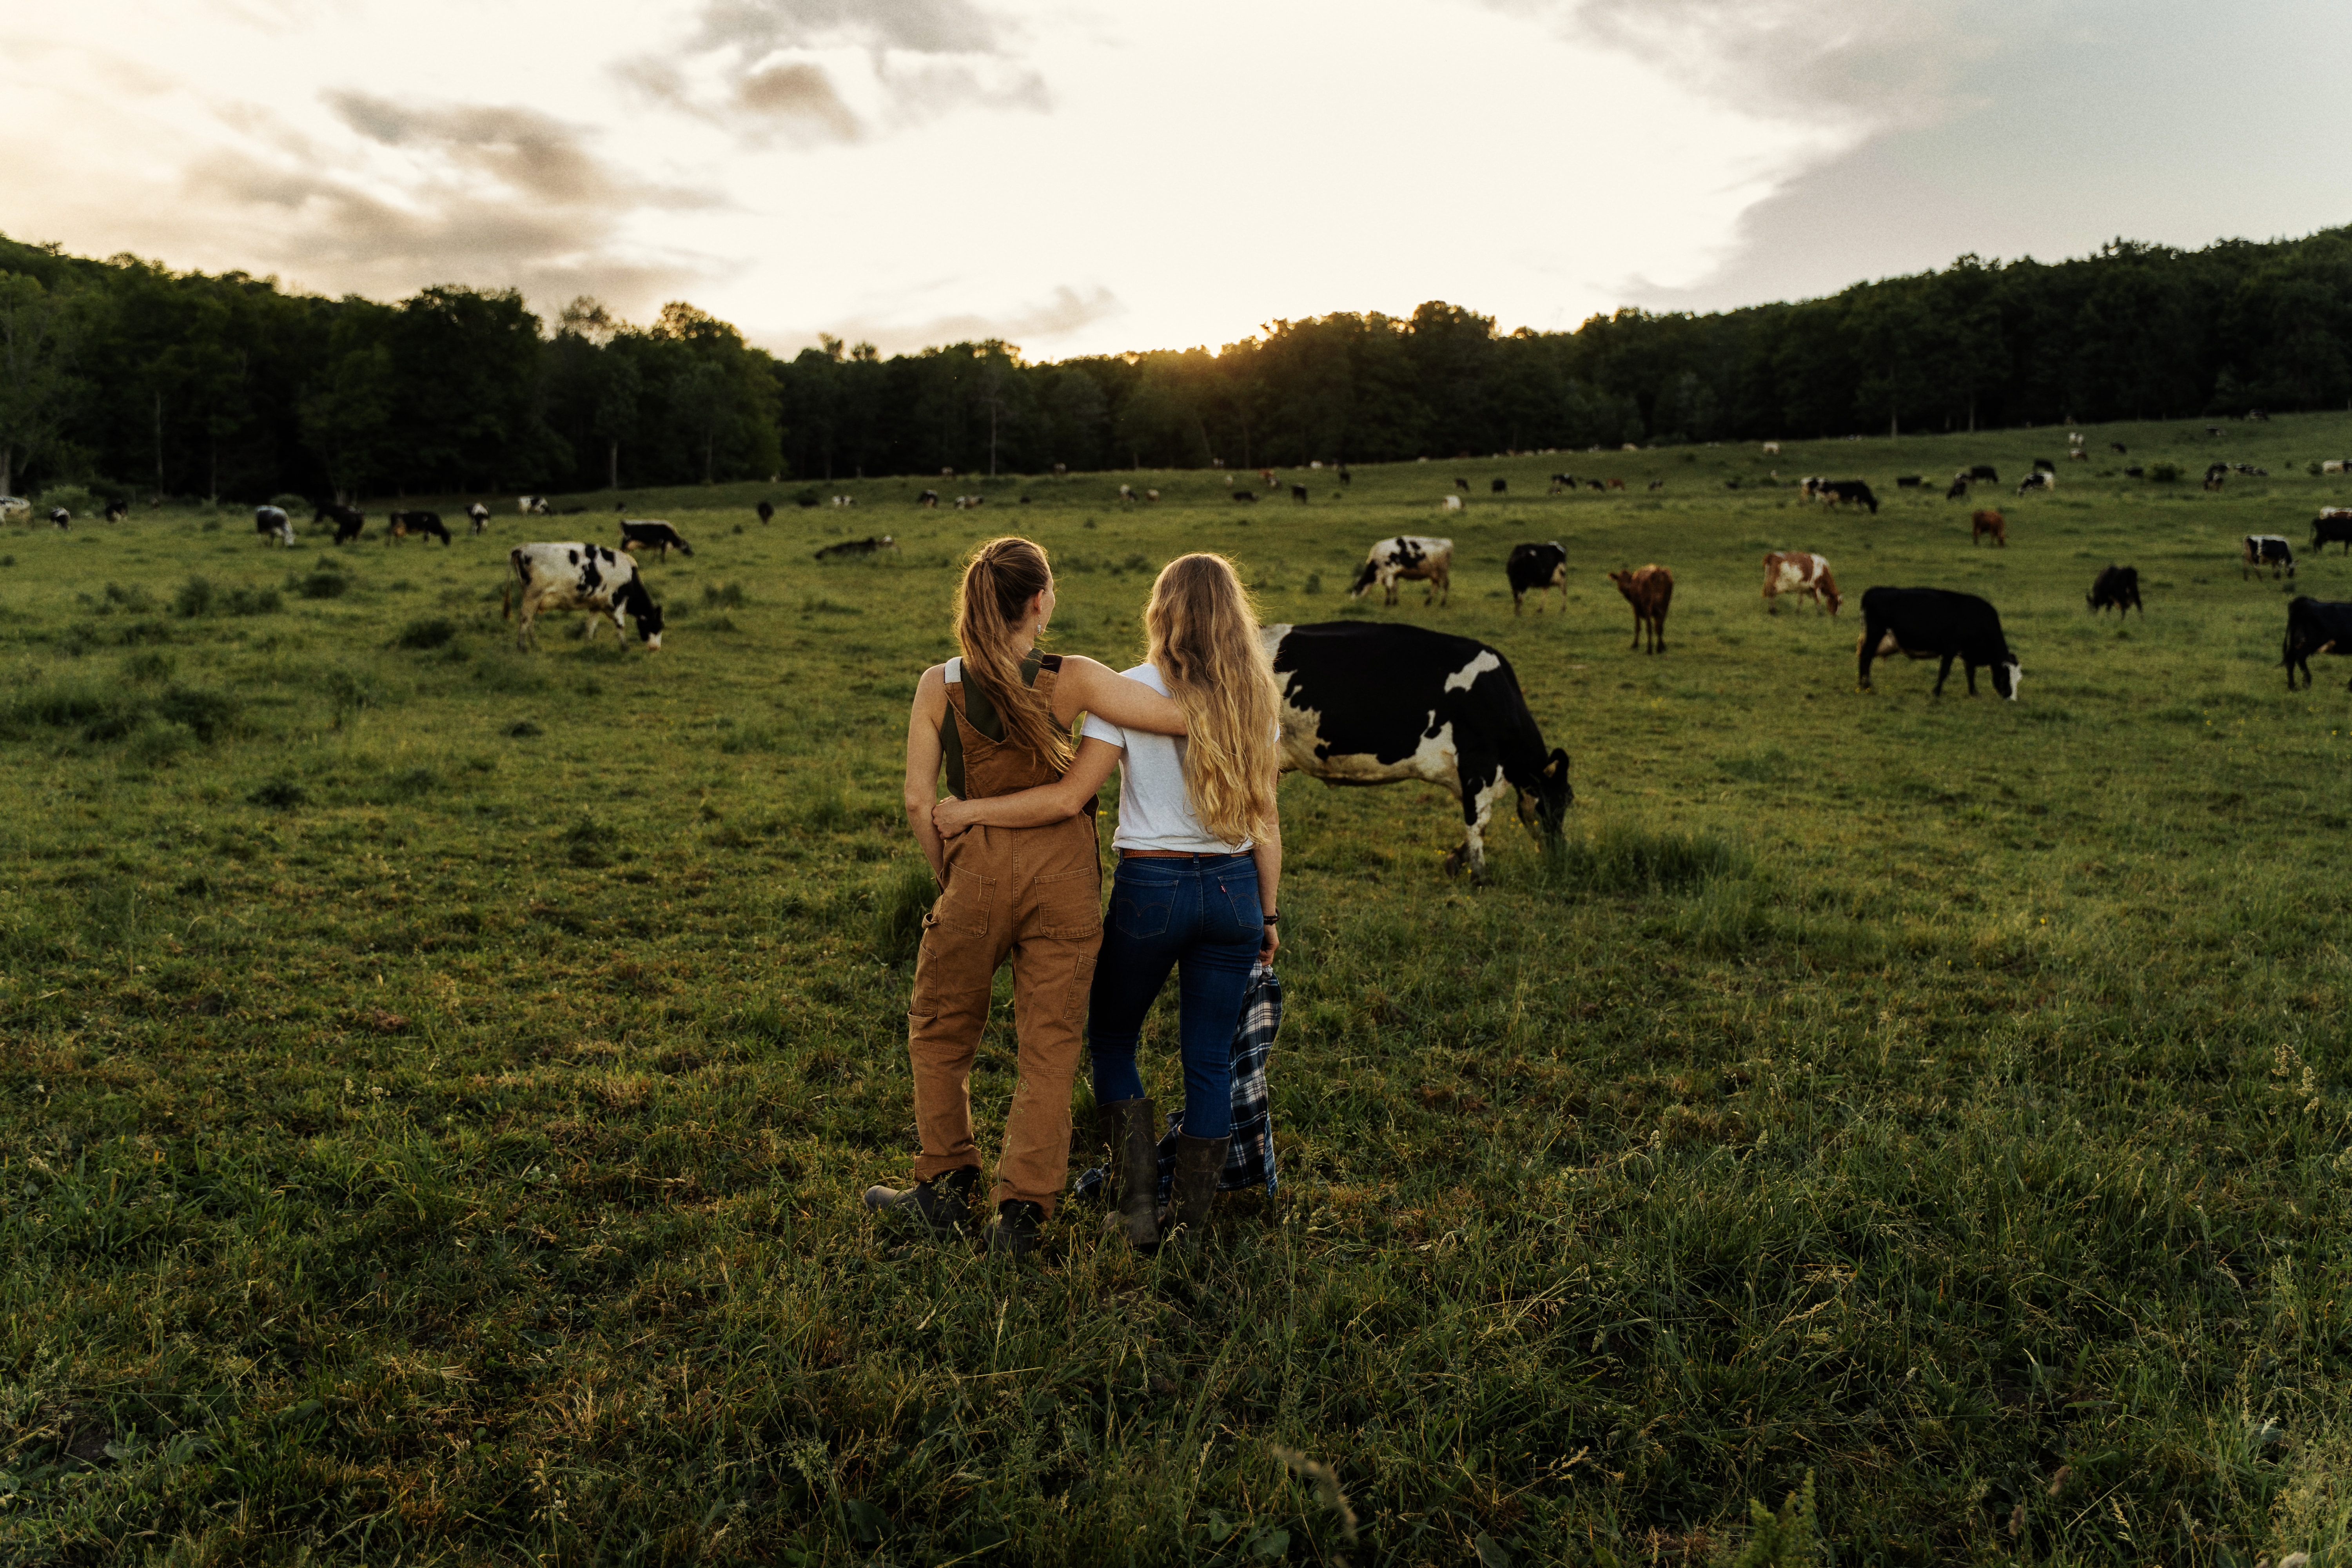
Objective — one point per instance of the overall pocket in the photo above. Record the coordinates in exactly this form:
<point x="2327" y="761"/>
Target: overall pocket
<point x="965" y="904"/>
<point x="1069" y="905"/>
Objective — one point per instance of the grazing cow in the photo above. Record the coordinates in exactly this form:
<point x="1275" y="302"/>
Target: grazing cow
<point x="1616" y="484"/>
<point x="117" y="510"/>
<point x="1992" y="523"/>
<point x="1959" y="489"/>
<point x="856" y="549"/>
<point x="965" y="503"/>
<point x="1984" y="471"/>
<point x="2117" y="449"/>
<point x="1371" y="704"/>
<point x="1451" y="503"/>
<point x="1061" y="470"/>
<point x="480" y="515"/>
<point x="1594" y="484"/>
<point x="1462" y="484"/>
<point x="1250" y="496"/>
<point x="1649" y="591"/>
<point x="1773" y="448"/>
<point x="2215" y="475"/>
<point x="2333" y="466"/>
<point x="1658" y="484"/>
<point x="1125" y="495"/>
<point x="15" y="509"/>
<point x="1908" y="481"/>
<point x="767" y="512"/>
<point x="1153" y="496"/>
<point x="1935" y="622"/>
<point x="60" y="518"/>
<point x="532" y="506"/>
<point x="648" y="533"/>
<point x="399" y="525"/>
<point x="2269" y="550"/>
<point x="588" y="577"/>
<point x="1800" y="572"/>
<point x="1497" y="487"/>
<point x="1298" y="494"/>
<point x="349" y="520"/>
<point x="1849" y="492"/>
<point x="2332" y="526"/>
<point x="929" y="497"/>
<point x="2039" y="479"/>
<point x="845" y="500"/>
<point x="1561" y="482"/>
<point x="272" y="523"/>
<point x="2314" y="625"/>
<point x="1418" y="557"/>
<point x="2118" y="586"/>
<point x="1537" y="569"/>
<point x="2045" y="466"/>
<point x="1266" y="478"/>
<point x="1345" y="477"/>
<point x="2078" y="455"/>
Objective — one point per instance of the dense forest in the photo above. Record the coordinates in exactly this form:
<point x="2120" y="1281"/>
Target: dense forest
<point x="123" y="375"/>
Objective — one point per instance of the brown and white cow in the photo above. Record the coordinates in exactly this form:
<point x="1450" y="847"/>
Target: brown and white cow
<point x="1984" y="522"/>
<point x="573" y="576"/>
<point x="1418" y="557"/>
<point x="1649" y="591"/>
<point x="1802" y="574"/>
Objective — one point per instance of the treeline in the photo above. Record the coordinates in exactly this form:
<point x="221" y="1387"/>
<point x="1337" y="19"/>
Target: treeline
<point x="122" y="373"/>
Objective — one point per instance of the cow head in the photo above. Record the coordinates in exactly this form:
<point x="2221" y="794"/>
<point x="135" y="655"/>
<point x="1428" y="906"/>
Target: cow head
<point x="2006" y="677"/>
<point x="1544" y="799"/>
<point x="1365" y="576"/>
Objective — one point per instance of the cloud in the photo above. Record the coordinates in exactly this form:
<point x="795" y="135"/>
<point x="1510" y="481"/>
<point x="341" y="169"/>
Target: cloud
<point x="797" y="90"/>
<point x="753" y="27"/>
<point x="1036" y="326"/>
<point x="532" y="156"/>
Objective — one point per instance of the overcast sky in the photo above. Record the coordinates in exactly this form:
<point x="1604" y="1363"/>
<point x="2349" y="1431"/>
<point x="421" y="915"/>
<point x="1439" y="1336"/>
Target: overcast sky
<point x="1097" y="176"/>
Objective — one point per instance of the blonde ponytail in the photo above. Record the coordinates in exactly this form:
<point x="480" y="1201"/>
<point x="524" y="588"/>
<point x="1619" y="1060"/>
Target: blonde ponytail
<point x="999" y="580"/>
<point x="1204" y="640"/>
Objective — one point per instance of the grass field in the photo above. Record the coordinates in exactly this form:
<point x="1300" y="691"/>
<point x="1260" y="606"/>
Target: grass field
<point x="436" y="1081"/>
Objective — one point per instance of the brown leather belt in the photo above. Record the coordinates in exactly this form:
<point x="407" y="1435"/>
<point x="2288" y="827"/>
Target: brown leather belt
<point x="1173" y="854"/>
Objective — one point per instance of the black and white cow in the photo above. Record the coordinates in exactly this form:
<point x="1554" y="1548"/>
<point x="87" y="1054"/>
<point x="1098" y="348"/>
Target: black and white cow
<point x="60" y="518"/>
<point x="2118" y="586"/>
<point x="1537" y="569"/>
<point x="399" y="525"/>
<point x="1935" y="622"/>
<point x="588" y="577"/>
<point x="851" y="549"/>
<point x="1368" y="702"/>
<point x="2039" y="479"/>
<point x="1408" y="555"/>
<point x="16" y="509"/>
<point x="479" y="515"/>
<point x="271" y="523"/>
<point x="117" y="510"/>
<point x="2332" y="526"/>
<point x="2314" y="625"/>
<point x="531" y="506"/>
<point x="2271" y="550"/>
<point x="650" y="534"/>
<point x="1848" y="493"/>
<point x="348" y="521"/>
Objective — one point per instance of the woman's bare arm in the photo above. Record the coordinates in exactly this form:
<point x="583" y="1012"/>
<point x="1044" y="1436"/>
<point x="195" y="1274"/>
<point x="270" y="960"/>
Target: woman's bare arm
<point x="1065" y="797"/>
<point x="1266" y="850"/>
<point x="1098" y="688"/>
<point x="923" y="759"/>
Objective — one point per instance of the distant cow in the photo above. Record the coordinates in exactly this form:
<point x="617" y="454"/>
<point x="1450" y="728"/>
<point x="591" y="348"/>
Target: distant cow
<point x="1497" y="487"/>
<point x="573" y="576"/>
<point x="60" y="518"/>
<point x="2333" y="466"/>
<point x="480" y="515"/>
<point x="2045" y="466"/>
<point x="1298" y="494"/>
<point x="272" y="523"/>
<point x="1372" y="702"/>
<point x="1804" y="575"/>
<point x="349" y="520"/>
<point x="117" y="510"/>
<point x="2216" y="475"/>
<point x="1451" y="503"/>
<point x="852" y="549"/>
<point x="2269" y="550"/>
<point x="1984" y="522"/>
<point x="1908" y="481"/>
<point x="2116" y="448"/>
<point x="14" y="508"/>
<point x="2040" y="480"/>
<point x="1561" y="482"/>
<point x="1537" y="569"/>
<point x="768" y="512"/>
<point x="1984" y="471"/>
<point x="2116" y="587"/>
<point x="1650" y="590"/>
<point x="1250" y="496"/>
<point x="1408" y="556"/>
<point x="928" y="498"/>
<point x="399" y="525"/>
<point x="2078" y="455"/>
<point x="2332" y="526"/>
<point x="532" y="506"/>
<point x="1959" y="489"/>
<point x="1616" y="484"/>
<point x="2314" y="625"/>
<point x="1849" y="492"/>
<point x="646" y="533"/>
<point x="1153" y="496"/>
<point x="1935" y="622"/>
<point x="1462" y="484"/>
<point x="1594" y="484"/>
<point x="1773" y="448"/>
<point x="1345" y="477"/>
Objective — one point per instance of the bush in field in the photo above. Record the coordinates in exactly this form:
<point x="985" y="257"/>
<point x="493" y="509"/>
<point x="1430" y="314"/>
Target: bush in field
<point x="2164" y="473"/>
<point x="197" y="596"/>
<point x="435" y="633"/>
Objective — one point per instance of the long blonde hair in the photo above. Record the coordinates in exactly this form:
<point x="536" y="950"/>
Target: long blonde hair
<point x="999" y="580"/>
<point x="1203" y="631"/>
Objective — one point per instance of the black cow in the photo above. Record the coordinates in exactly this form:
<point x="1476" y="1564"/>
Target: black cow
<point x="1935" y="622"/>
<point x="399" y="525"/>
<point x="1594" y="484"/>
<point x="117" y="510"/>
<point x="1249" y="496"/>
<point x="1959" y="489"/>
<point x="1346" y="477"/>
<point x="1298" y="494"/>
<point x="1537" y="569"/>
<point x="2314" y="625"/>
<point x="349" y="520"/>
<point x="2332" y="526"/>
<point x="641" y="535"/>
<point x="2116" y="448"/>
<point x="1462" y="484"/>
<point x="849" y="548"/>
<point x="271" y="523"/>
<point x="2269" y="550"/>
<point x="2045" y="466"/>
<point x="1908" y="481"/>
<point x="1843" y="492"/>
<point x="1984" y="471"/>
<point x="1371" y="703"/>
<point x="1498" y="487"/>
<point x="2118" y="586"/>
<point x="767" y="512"/>
<point x="2134" y="471"/>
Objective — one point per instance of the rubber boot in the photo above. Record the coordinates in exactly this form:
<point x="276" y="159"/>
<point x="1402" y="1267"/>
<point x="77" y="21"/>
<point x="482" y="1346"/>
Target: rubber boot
<point x="940" y="1204"/>
<point x="1014" y="1234"/>
<point x="1199" y="1163"/>
<point x="1134" y="1170"/>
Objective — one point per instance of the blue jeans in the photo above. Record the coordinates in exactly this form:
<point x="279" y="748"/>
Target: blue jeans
<point x="1202" y="919"/>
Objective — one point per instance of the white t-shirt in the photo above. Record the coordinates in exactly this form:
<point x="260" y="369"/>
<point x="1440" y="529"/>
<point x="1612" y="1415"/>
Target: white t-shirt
<point x="1154" y="812"/>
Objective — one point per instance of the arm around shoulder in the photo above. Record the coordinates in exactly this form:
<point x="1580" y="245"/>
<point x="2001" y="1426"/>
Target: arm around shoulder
<point x="1103" y="691"/>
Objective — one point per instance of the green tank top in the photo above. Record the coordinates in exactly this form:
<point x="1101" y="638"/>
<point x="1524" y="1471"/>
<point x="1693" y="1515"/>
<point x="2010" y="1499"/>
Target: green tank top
<point x="979" y="713"/>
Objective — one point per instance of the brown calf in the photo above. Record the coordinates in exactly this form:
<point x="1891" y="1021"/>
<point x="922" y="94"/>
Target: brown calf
<point x="1986" y="522"/>
<point x="1649" y="591"/>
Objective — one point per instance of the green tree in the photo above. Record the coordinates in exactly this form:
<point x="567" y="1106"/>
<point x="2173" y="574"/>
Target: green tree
<point x="37" y="389"/>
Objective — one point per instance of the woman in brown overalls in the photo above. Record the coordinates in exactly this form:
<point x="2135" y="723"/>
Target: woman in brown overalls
<point x="997" y="720"/>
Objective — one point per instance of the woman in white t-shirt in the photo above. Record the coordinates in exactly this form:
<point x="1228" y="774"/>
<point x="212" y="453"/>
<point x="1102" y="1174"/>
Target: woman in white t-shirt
<point x="1200" y="849"/>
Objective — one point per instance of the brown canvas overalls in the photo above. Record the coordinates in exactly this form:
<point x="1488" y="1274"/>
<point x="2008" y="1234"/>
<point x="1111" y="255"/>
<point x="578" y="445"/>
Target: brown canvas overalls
<point x="1034" y="893"/>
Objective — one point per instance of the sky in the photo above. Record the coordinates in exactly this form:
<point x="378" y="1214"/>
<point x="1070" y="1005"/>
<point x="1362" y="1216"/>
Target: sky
<point x="1081" y="176"/>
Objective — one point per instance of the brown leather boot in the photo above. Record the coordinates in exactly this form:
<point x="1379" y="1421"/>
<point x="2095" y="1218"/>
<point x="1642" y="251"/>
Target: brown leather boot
<point x="940" y="1204"/>
<point x="1134" y="1169"/>
<point x="1199" y="1163"/>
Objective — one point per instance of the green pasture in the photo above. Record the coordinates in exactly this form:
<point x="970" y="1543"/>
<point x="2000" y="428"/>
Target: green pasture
<point x="436" y="1080"/>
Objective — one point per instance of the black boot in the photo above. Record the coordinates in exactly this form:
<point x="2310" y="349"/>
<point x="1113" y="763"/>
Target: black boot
<point x="940" y="1204"/>
<point x="1014" y="1234"/>
<point x="1134" y="1170"/>
<point x="1199" y="1163"/>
